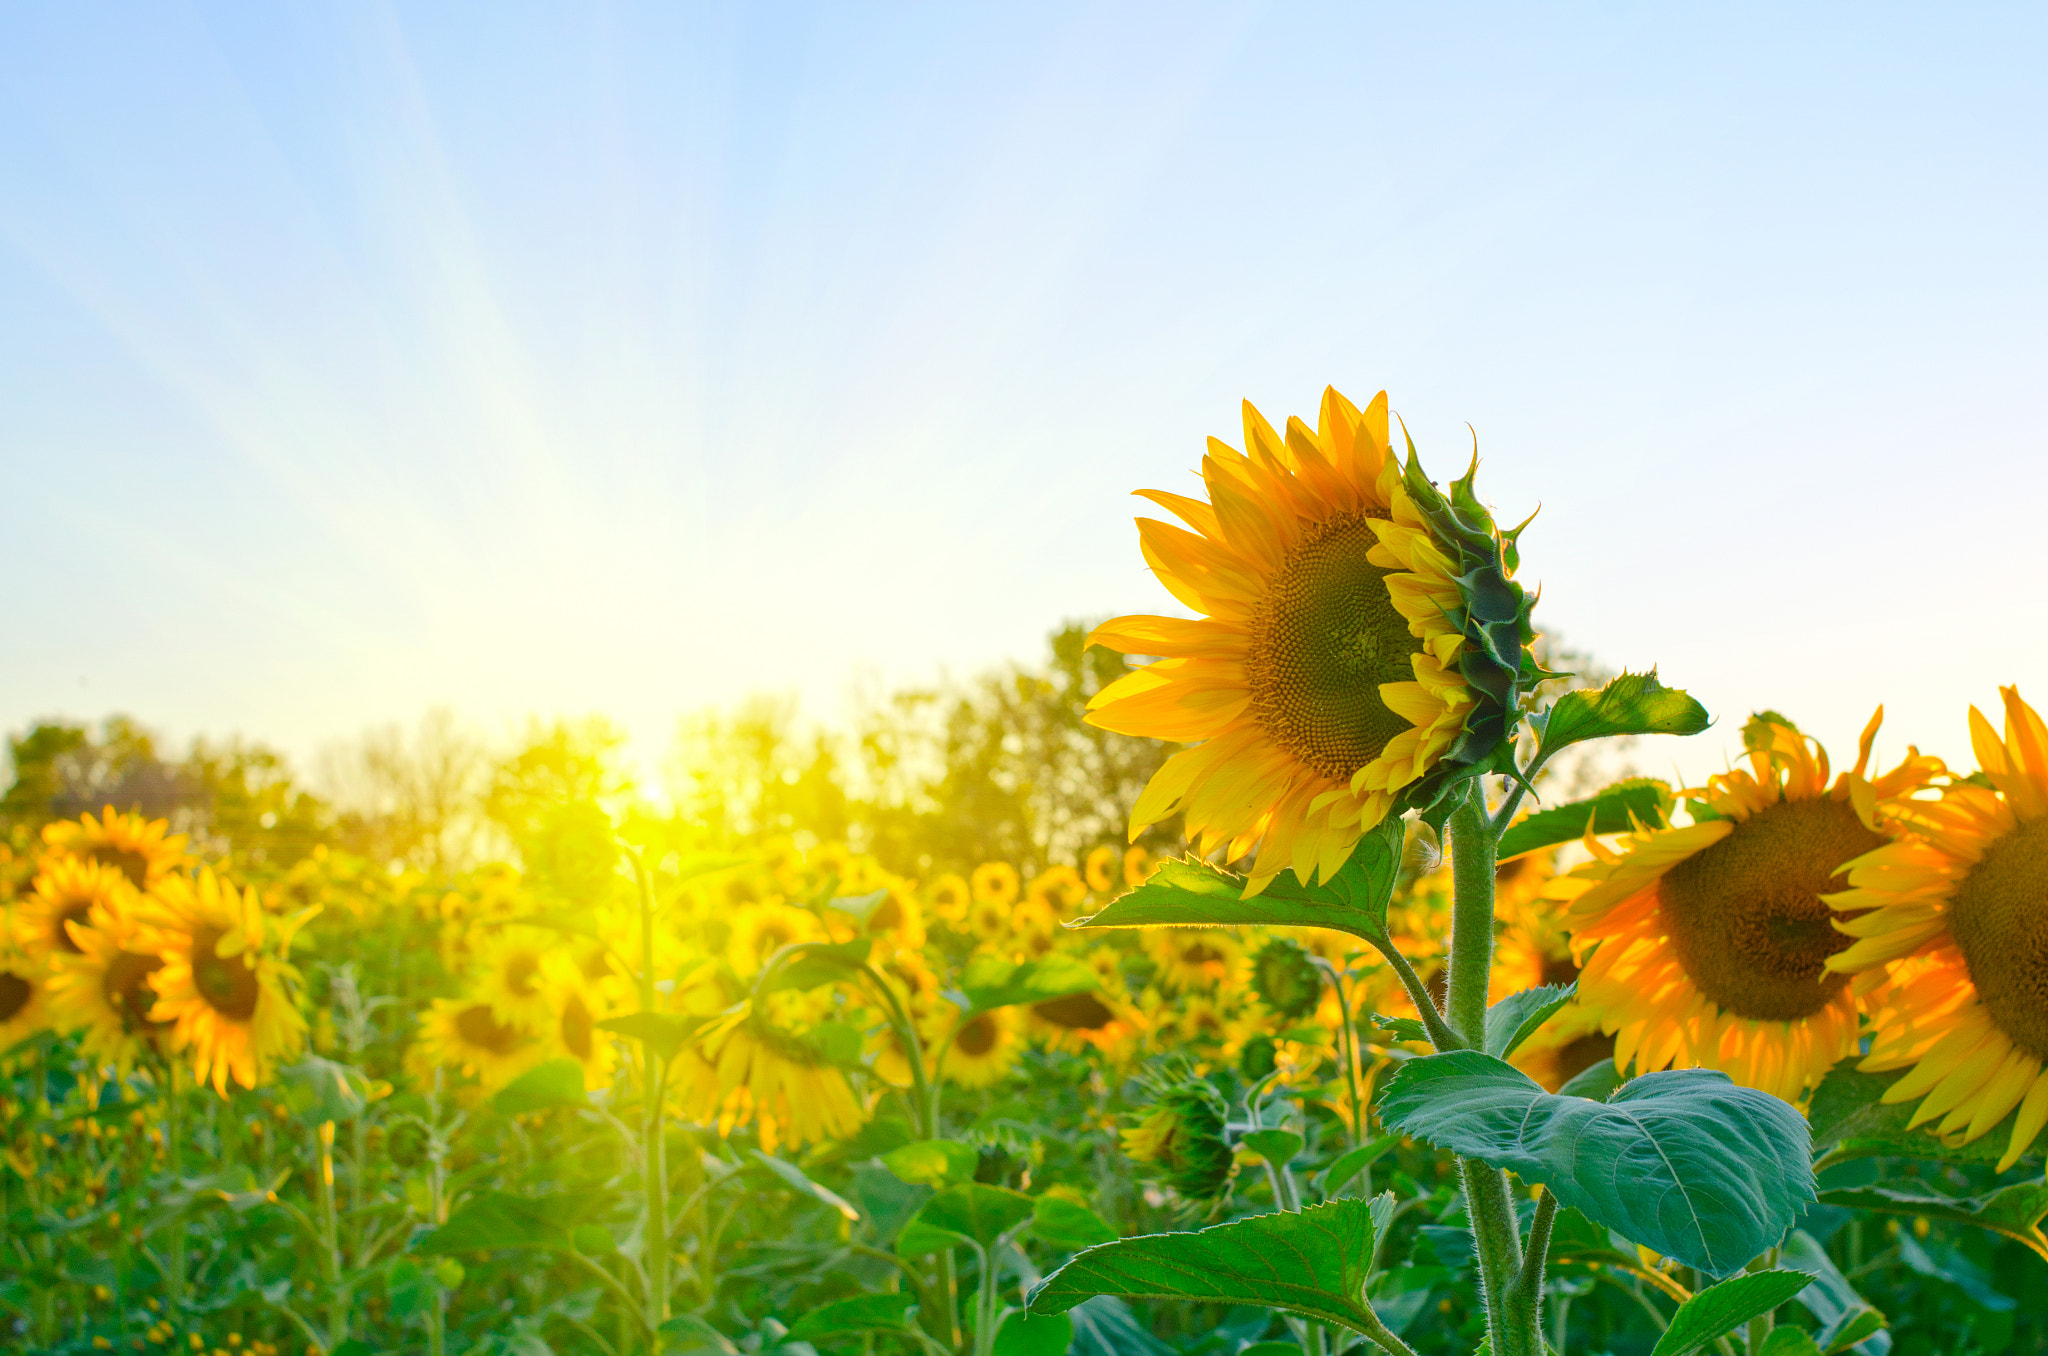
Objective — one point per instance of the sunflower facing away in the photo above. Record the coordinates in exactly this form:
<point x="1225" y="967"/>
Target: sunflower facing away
<point x="1331" y="670"/>
<point x="140" y="849"/>
<point x="1958" y="910"/>
<point x="1707" y="945"/>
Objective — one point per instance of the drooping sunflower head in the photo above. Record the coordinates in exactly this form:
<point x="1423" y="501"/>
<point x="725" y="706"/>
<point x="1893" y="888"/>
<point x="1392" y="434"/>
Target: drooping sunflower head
<point x="1951" y="923"/>
<point x="1708" y="944"/>
<point x="1285" y="977"/>
<point x="143" y="850"/>
<point x="747" y="1069"/>
<point x="1362" y="644"/>
<point x="67" y="891"/>
<point x="1182" y="1135"/>
<point x="225" y="987"/>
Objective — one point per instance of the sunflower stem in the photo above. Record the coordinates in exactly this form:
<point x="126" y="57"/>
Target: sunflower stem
<point x="174" y="1125"/>
<point x="654" y="1164"/>
<point x="1440" y="1035"/>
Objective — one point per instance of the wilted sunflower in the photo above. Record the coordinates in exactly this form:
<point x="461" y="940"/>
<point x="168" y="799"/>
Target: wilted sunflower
<point x="1193" y="958"/>
<point x="980" y="1050"/>
<point x="138" y="848"/>
<point x="1358" y="631"/>
<point x="66" y="891"/>
<point x="995" y="883"/>
<point x="225" y="989"/>
<point x="1100" y="870"/>
<point x="461" y="1033"/>
<point x="744" y="1070"/>
<point x="508" y="975"/>
<point x="103" y="989"/>
<point x="1962" y="901"/>
<point x="1708" y="944"/>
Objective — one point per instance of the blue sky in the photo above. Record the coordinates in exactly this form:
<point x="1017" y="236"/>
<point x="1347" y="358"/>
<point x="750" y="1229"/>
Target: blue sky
<point x="357" y="358"/>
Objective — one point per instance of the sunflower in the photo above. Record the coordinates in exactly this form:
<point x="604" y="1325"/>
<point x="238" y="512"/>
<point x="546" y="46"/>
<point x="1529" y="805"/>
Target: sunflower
<point x="1059" y="888"/>
<point x="103" y="989"/>
<point x="949" y="899"/>
<point x="1708" y="944"/>
<point x="980" y="1050"/>
<point x="23" y="1008"/>
<point x="1100" y="870"/>
<point x="1034" y="928"/>
<point x="1328" y="675"/>
<point x="987" y="921"/>
<point x="764" y="929"/>
<point x="1193" y="958"/>
<point x="1959" y="912"/>
<point x="744" y="1070"/>
<point x="995" y="883"/>
<point x="462" y="1033"/>
<point x="897" y="920"/>
<point x="225" y="988"/>
<point x="508" y="975"/>
<point x="138" y="848"/>
<point x="1137" y="866"/>
<point x="577" y="1002"/>
<point x="66" y="891"/>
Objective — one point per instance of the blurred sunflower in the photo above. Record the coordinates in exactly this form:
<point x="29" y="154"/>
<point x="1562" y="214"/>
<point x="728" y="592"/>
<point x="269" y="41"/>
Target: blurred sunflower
<point x="225" y="988"/>
<point x="981" y="1049"/>
<point x="1708" y="944"/>
<point x="1100" y="870"/>
<point x="744" y="1070"/>
<point x="949" y="899"/>
<point x="1182" y="1135"/>
<point x="1034" y="928"/>
<point x="1328" y="674"/>
<point x="103" y="989"/>
<point x="23" y="1008"/>
<point x="67" y="890"/>
<point x="1962" y="902"/>
<point x="987" y="921"/>
<point x="897" y="921"/>
<point x="1193" y="958"/>
<point x="138" y="848"/>
<point x="576" y="1004"/>
<point x="508" y="964"/>
<point x="764" y="929"/>
<point x="1137" y="867"/>
<point x="1202" y="1021"/>
<point x="995" y="883"/>
<point x="1060" y="889"/>
<point x="462" y="1033"/>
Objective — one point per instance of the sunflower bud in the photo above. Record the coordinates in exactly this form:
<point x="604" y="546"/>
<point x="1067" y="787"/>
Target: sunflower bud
<point x="1285" y="978"/>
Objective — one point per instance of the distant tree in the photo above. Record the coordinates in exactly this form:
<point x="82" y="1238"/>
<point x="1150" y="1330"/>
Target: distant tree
<point x="411" y="798"/>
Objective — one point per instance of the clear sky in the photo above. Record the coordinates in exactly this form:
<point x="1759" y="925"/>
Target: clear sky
<point x="573" y="358"/>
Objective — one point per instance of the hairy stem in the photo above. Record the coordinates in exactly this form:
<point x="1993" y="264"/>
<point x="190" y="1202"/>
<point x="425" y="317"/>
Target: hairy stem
<point x="1440" y="1035"/>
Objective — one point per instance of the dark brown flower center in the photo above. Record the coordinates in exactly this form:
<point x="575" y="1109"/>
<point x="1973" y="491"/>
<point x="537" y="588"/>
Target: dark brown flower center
<point x="478" y="1028"/>
<point x="1323" y="639"/>
<point x="2000" y="921"/>
<point x="519" y="973"/>
<point x="1746" y="917"/>
<point x="132" y="864"/>
<point x="1076" y="1012"/>
<point x="14" y="995"/>
<point x="977" y="1037"/>
<point x="125" y="986"/>
<point x="579" y="1029"/>
<point x="227" y="984"/>
<point x="77" y="911"/>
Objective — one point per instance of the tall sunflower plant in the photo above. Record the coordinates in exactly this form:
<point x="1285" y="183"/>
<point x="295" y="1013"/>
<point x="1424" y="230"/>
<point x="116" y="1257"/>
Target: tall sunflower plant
<point x="1363" y="659"/>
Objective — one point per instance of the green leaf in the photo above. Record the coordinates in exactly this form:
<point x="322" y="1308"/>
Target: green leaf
<point x="1518" y="1016"/>
<point x="559" y="1082"/>
<point x="1854" y="1325"/>
<point x="1355" y="1161"/>
<point x="794" y="1176"/>
<point x="1633" y="704"/>
<point x="1595" y="1081"/>
<point x="1725" y="1307"/>
<point x="2013" y="1212"/>
<point x="695" y="1328"/>
<point x="1270" y="1349"/>
<point x="1404" y="1029"/>
<point x="354" y="1346"/>
<point x="1068" y="1224"/>
<point x="1615" y="810"/>
<point x="498" y="1219"/>
<point x="1194" y="894"/>
<point x="1785" y="1340"/>
<point x="1277" y="1147"/>
<point x="1023" y="1333"/>
<point x="992" y="982"/>
<point x="975" y="1211"/>
<point x="1682" y="1161"/>
<point x="1311" y="1262"/>
<point x="811" y="964"/>
<point x="919" y="1239"/>
<point x="406" y="1288"/>
<point x="933" y="1162"/>
<point x="1833" y="1302"/>
<point x="593" y="1240"/>
<point x="863" y="1313"/>
<point x="664" y="1034"/>
<point x="1851" y="1120"/>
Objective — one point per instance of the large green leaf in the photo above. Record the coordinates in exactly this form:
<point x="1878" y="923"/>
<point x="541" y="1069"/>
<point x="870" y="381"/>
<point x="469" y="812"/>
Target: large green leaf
<point x="933" y="1162"/>
<point x="1196" y="894"/>
<point x="2013" y="1212"/>
<point x="1023" y="1333"/>
<point x="1068" y="1224"/>
<point x="661" y="1032"/>
<point x="1617" y="809"/>
<point x="798" y="1181"/>
<point x="971" y="1212"/>
<point x="1520" y="1015"/>
<point x="861" y="1314"/>
<point x="1788" y="1341"/>
<point x="1726" y="1307"/>
<point x="1851" y="1120"/>
<point x="1634" y="703"/>
<point x="498" y="1219"/>
<point x="1681" y="1161"/>
<point x="992" y="982"/>
<point x="1312" y="1263"/>
<point x="559" y="1082"/>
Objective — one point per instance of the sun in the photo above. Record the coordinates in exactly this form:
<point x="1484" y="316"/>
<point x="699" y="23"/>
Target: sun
<point x="1708" y="944"/>
<point x="1951" y="923"/>
<point x="1326" y="674"/>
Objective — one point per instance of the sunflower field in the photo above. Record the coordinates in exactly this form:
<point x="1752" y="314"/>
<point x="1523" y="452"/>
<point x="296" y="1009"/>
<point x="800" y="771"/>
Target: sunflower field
<point x="1292" y="986"/>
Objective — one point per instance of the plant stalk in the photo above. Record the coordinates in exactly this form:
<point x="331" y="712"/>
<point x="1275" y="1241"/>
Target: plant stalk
<point x="330" y="1241"/>
<point x="174" y="1126"/>
<point x="653" y="1157"/>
